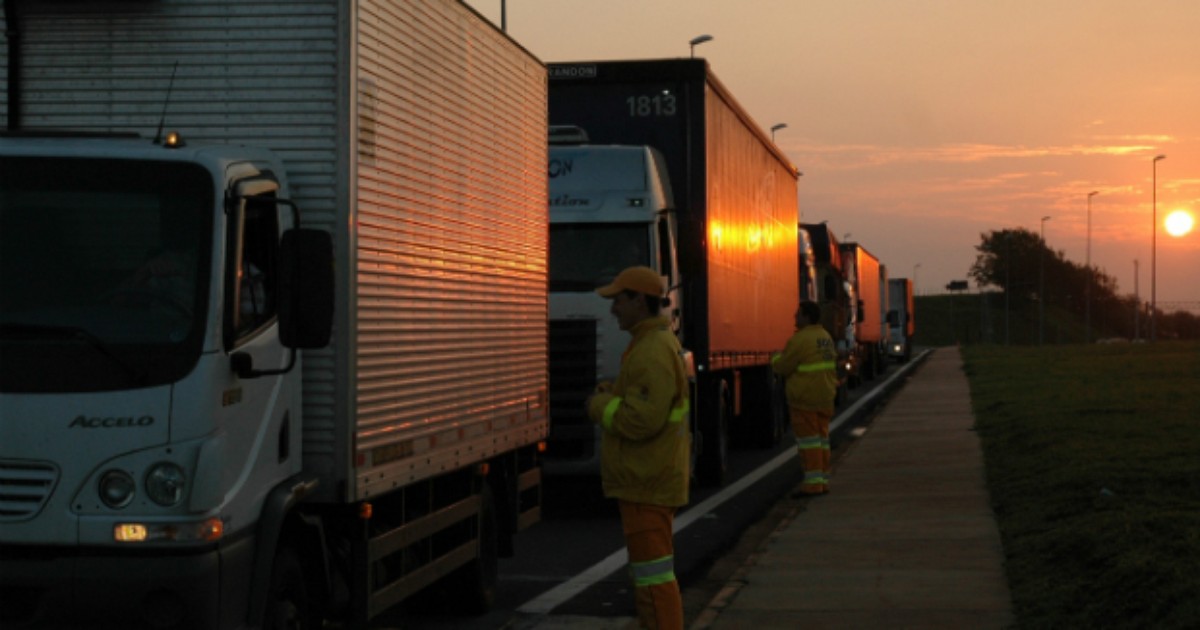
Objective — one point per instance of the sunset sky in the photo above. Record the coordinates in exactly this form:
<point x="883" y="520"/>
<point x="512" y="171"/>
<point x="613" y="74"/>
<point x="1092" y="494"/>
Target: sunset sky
<point x="921" y="124"/>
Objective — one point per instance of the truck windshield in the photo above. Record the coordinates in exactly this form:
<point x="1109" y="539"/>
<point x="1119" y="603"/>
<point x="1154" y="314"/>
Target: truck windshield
<point x="585" y="256"/>
<point x="104" y="267"/>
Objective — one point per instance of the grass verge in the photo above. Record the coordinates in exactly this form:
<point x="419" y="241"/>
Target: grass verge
<point x="1093" y="465"/>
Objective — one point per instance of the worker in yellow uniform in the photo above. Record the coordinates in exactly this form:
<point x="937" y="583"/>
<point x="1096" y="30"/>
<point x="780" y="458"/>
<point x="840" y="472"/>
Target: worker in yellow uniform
<point x="645" y="445"/>
<point x="809" y="365"/>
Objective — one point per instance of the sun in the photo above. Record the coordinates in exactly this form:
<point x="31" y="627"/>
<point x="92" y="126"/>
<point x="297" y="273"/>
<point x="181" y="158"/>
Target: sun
<point x="1180" y="222"/>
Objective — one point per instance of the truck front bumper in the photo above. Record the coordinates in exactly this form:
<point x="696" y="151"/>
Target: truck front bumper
<point x="58" y="587"/>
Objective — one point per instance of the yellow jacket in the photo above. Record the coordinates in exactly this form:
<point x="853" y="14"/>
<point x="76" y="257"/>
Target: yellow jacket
<point x="646" y="443"/>
<point x="809" y="363"/>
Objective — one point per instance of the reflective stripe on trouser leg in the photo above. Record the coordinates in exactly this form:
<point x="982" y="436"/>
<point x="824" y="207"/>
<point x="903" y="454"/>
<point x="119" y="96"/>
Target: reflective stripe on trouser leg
<point x="828" y="455"/>
<point x="648" y="538"/>
<point x="653" y="572"/>
<point x="811" y="429"/>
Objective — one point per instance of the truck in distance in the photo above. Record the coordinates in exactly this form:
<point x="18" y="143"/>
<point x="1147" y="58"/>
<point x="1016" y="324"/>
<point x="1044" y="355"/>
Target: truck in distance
<point x="901" y="324"/>
<point x="735" y="207"/>
<point x="868" y="281"/>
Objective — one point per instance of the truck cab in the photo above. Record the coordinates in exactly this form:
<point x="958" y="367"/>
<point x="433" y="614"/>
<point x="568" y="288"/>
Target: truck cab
<point x="610" y="208"/>
<point x="835" y="295"/>
<point x="149" y="399"/>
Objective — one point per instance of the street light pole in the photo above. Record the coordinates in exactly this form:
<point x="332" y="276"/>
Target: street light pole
<point x="1154" y="245"/>
<point x="775" y="128"/>
<point x="1042" y="286"/>
<point x="1091" y="277"/>
<point x="915" y="268"/>
<point x="697" y="40"/>
<point x="1137" y="304"/>
<point x="1007" y="281"/>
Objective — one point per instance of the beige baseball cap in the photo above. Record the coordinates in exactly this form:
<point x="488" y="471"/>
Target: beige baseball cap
<point x="640" y="279"/>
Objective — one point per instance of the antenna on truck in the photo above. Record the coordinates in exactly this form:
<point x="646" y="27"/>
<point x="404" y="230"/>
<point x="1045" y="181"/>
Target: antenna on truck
<point x="163" y="117"/>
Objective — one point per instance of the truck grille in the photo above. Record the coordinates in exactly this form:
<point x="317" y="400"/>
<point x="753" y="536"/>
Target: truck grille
<point x="24" y="488"/>
<point x="572" y="369"/>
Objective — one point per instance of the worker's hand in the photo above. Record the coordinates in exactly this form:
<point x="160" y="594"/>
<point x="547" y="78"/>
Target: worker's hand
<point x="604" y="387"/>
<point x="591" y="406"/>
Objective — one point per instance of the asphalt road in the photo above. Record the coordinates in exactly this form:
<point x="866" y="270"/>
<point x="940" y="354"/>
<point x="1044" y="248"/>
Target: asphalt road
<point x="571" y="566"/>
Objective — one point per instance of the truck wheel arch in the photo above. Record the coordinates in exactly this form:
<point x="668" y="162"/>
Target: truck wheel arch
<point x="279" y="525"/>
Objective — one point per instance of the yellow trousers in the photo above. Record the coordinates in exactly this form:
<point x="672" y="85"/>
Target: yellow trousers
<point x="649" y="540"/>
<point x="811" y="429"/>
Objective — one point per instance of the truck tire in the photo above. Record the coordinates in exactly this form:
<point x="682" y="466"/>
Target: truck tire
<point x="288" y="604"/>
<point x="713" y="462"/>
<point x="765" y="412"/>
<point x="868" y="365"/>
<point x="475" y="582"/>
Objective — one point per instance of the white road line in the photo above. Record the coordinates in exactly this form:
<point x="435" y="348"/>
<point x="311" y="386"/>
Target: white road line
<point x="551" y="599"/>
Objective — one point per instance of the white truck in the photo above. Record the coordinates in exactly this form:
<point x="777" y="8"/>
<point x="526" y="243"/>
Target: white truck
<point x="610" y="208"/>
<point x="735" y="205"/>
<point x="288" y="364"/>
<point x="901" y="325"/>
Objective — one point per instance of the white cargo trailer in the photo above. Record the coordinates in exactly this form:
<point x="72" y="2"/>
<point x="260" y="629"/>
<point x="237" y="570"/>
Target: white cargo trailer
<point x="289" y="363"/>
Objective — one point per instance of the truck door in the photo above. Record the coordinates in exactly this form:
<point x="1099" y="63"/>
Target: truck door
<point x="665" y="262"/>
<point x="262" y="408"/>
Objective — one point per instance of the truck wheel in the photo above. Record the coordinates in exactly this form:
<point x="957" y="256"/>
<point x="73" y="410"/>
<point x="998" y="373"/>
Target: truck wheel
<point x="714" y="459"/>
<point x="766" y="414"/>
<point x="288" y="606"/>
<point x="475" y="582"/>
<point x="779" y="411"/>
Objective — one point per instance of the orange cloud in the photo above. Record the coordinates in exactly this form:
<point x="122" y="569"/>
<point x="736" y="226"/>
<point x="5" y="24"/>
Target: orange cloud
<point x="856" y="156"/>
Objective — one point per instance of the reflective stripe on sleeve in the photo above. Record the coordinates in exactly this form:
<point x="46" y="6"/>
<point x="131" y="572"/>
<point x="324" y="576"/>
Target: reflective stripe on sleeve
<point x="679" y="413"/>
<point x="610" y="410"/>
<point x="653" y="572"/>
<point x="817" y="367"/>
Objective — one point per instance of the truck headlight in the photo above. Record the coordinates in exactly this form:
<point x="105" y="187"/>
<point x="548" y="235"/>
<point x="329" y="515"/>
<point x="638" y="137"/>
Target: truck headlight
<point x="116" y="488"/>
<point x="165" y="483"/>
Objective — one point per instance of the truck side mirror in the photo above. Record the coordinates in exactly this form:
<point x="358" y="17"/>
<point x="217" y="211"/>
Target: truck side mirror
<point x="305" y="288"/>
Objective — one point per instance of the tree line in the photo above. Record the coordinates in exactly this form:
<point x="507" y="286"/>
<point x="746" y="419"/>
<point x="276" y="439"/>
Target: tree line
<point x="1018" y="262"/>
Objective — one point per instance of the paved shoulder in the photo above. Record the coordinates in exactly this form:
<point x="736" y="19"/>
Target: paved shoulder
<point x="907" y="537"/>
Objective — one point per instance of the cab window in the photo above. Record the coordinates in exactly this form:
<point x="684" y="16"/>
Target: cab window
<point x="253" y="281"/>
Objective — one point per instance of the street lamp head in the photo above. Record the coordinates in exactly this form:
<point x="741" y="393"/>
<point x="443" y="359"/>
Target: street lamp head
<point x="697" y="40"/>
<point x="1093" y="193"/>
<point x="1045" y="218"/>
<point x="777" y="127"/>
<point x="1159" y="157"/>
